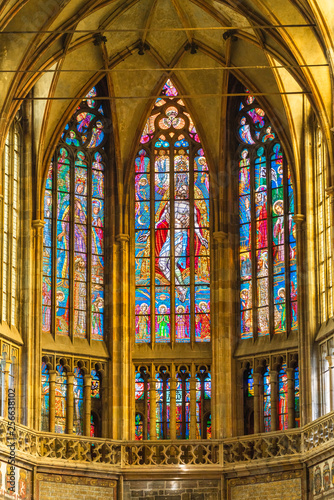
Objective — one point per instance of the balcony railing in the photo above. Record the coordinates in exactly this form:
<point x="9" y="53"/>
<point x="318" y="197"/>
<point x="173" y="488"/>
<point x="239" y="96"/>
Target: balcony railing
<point x="290" y="445"/>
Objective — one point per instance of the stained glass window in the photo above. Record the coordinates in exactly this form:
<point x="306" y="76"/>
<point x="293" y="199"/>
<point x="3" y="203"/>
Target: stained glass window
<point x="268" y="275"/>
<point x="78" y="401"/>
<point x="248" y="401"/>
<point x="10" y="182"/>
<point x="172" y="240"/>
<point x="282" y="399"/>
<point x="297" y="410"/>
<point x="45" y="405"/>
<point x="203" y="404"/>
<point x="139" y="427"/>
<point x="73" y="256"/>
<point x="163" y="404"/>
<point x="182" y="404"/>
<point x="266" y="401"/>
<point x="96" y="385"/>
<point x="142" y="402"/>
<point x="60" y="400"/>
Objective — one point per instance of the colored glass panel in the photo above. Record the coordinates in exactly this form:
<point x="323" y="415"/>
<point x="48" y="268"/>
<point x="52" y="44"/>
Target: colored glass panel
<point x="96" y="385"/>
<point x="178" y="258"/>
<point x="265" y="197"/>
<point x="45" y="406"/>
<point x="282" y="400"/>
<point x="79" y="214"/>
<point x="78" y="389"/>
<point x="60" y="400"/>
<point x="296" y="395"/>
<point x="266" y="401"/>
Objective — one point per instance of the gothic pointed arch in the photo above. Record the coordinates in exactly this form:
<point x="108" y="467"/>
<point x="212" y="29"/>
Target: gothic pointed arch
<point x="172" y="238"/>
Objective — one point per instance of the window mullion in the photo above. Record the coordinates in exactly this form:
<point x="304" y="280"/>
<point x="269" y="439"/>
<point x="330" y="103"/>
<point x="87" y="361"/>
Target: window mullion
<point x="270" y="245"/>
<point x="286" y="248"/>
<point x="191" y="246"/>
<point x="253" y="250"/>
<point x="10" y="227"/>
<point x="71" y="249"/>
<point x="152" y="244"/>
<point x="89" y="230"/>
<point x="54" y="244"/>
<point x="172" y="248"/>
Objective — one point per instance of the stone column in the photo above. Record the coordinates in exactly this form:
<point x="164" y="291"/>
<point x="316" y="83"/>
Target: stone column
<point x="223" y="381"/>
<point x="330" y="360"/>
<point x="104" y="396"/>
<point x="290" y="373"/>
<point x="87" y="404"/>
<point x="5" y="387"/>
<point x="69" y="403"/>
<point x="257" y="412"/>
<point x="193" y="408"/>
<point x="153" y="409"/>
<point x="172" y="423"/>
<point x="52" y="400"/>
<point x="273" y="397"/>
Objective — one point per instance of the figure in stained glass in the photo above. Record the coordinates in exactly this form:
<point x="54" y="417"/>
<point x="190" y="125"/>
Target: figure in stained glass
<point x="68" y="202"/>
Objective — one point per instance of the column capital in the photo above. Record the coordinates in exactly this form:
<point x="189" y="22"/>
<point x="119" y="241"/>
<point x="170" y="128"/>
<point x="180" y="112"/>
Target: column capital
<point x="273" y="376"/>
<point x="290" y="372"/>
<point x="38" y="223"/>
<point x="122" y="238"/>
<point x="88" y="379"/>
<point x="219" y="236"/>
<point x="299" y="218"/>
<point x="70" y="377"/>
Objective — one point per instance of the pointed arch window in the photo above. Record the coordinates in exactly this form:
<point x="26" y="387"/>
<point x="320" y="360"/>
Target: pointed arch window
<point x="172" y="241"/>
<point x="268" y="274"/>
<point x="73" y="255"/>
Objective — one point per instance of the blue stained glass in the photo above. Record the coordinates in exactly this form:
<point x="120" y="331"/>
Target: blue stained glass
<point x="63" y="264"/>
<point x="244" y="209"/>
<point x="162" y="298"/>
<point x="142" y="271"/>
<point x="97" y="135"/>
<point x="244" y="181"/>
<point x="182" y="300"/>
<point x="181" y="144"/>
<point x="161" y="187"/>
<point x="97" y="298"/>
<point x="143" y="300"/>
<point x="293" y="260"/>
<point x="142" y="162"/>
<point x="47" y="232"/>
<point x="245" y="266"/>
<point x="142" y="187"/>
<point x="244" y="132"/>
<point x="260" y="170"/>
<point x="142" y="244"/>
<point x="47" y="261"/>
<point x="63" y="206"/>
<point x="47" y="204"/>
<point x="202" y="299"/>
<point x="246" y="295"/>
<point x="97" y="212"/>
<point x="97" y="184"/>
<point x="201" y="189"/>
<point x="161" y="143"/>
<point x="143" y="218"/>
<point x="267" y="401"/>
<point x="245" y="234"/>
<point x="63" y="235"/>
<point x="291" y="199"/>
<point x="48" y="184"/>
<point x="292" y="229"/>
<point x="277" y="172"/>
<point x="257" y="115"/>
<point x="279" y="288"/>
<point x="84" y="120"/>
<point x="200" y="163"/>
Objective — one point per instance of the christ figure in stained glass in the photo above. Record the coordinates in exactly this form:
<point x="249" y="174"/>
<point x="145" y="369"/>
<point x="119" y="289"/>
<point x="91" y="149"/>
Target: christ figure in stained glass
<point x="181" y="237"/>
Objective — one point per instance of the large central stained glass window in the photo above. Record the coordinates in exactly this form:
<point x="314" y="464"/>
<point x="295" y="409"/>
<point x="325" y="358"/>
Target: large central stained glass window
<point x="268" y="274"/>
<point x="73" y="258"/>
<point x="172" y="243"/>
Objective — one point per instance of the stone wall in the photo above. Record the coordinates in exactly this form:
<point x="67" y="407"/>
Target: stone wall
<point x="322" y="480"/>
<point x="51" y="486"/>
<point x="270" y="487"/>
<point x="188" y="489"/>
